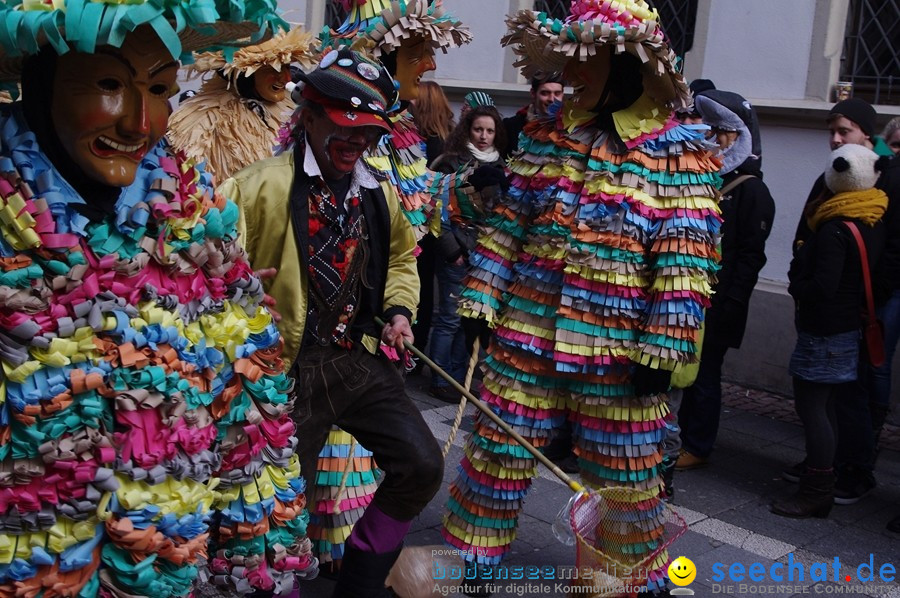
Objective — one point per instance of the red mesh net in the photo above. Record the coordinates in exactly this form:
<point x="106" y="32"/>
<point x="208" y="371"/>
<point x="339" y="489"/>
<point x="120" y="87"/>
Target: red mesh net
<point x="622" y="540"/>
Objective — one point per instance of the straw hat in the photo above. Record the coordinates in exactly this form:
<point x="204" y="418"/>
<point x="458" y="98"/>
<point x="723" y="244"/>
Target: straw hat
<point x="83" y="25"/>
<point x="282" y="50"/>
<point x="388" y="22"/>
<point x="545" y="44"/>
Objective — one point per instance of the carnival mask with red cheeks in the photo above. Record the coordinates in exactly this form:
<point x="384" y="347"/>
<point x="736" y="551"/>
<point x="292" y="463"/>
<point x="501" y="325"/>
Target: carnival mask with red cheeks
<point x="269" y="83"/>
<point x="110" y="108"/>
<point x="415" y="57"/>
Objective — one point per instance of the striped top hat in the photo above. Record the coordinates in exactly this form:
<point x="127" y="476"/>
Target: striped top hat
<point x="355" y="90"/>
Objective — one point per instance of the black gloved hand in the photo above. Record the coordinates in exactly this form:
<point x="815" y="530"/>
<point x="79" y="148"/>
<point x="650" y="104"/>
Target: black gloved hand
<point x="475" y="328"/>
<point x="650" y="381"/>
<point x="486" y="176"/>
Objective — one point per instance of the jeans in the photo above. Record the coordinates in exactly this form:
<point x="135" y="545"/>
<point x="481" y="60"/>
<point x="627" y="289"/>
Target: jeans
<point x="448" y="341"/>
<point x="364" y="394"/>
<point x="879" y="384"/>
<point x="701" y="405"/>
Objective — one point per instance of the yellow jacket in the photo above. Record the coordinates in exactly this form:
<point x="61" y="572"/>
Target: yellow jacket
<point x="262" y="192"/>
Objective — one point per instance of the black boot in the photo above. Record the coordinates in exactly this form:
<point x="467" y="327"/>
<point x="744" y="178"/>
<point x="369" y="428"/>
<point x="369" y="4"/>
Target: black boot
<point x="814" y="499"/>
<point x="362" y="574"/>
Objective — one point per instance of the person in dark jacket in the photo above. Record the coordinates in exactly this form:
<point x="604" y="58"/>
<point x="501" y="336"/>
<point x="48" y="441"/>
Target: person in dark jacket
<point x="861" y="416"/>
<point x="827" y="284"/>
<point x="748" y="211"/>
<point x="545" y="89"/>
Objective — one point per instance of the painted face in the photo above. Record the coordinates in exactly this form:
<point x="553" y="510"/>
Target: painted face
<point x="337" y="149"/>
<point x="269" y="83"/>
<point x="111" y="107"/>
<point x="546" y="94"/>
<point x="415" y="57"/>
<point x="844" y="131"/>
<point x="482" y="132"/>
<point x="893" y="141"/>
<point x="588" y="79"/>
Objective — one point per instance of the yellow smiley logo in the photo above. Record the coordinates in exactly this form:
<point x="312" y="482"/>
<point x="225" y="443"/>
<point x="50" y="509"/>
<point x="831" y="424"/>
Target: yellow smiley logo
<point x="682" y="571"/>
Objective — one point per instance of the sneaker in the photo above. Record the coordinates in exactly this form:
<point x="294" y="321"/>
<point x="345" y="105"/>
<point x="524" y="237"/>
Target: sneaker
<point x="792" y="474"/>
<point x="448" y="394"/>
<point x="688" y="460"/>
<point x="852" y="485"/>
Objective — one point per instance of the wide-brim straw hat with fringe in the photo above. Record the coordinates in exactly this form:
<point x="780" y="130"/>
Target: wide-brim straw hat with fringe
<point x="545" y="44"/>
<point x="282" y="50"/>
<point x="83" y="25"/>
<point x="386" y="23"/>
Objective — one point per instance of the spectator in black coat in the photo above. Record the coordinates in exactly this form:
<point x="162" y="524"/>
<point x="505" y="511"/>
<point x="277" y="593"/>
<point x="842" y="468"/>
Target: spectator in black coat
<point x="748" y="211"/>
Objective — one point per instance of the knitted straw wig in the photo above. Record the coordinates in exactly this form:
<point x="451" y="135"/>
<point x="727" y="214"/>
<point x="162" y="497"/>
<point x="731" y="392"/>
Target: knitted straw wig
<point x="387" y="23"/>
<point x="545" y="44"/>
<point x="294" y="46"/>
<point x="83" y="25"/>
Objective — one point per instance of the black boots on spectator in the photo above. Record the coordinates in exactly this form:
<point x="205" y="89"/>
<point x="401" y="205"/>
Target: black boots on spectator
<point x="814" y="499"/>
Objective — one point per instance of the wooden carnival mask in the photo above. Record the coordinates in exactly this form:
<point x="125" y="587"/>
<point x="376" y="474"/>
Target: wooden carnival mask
<point x="415" y="57"/>
<point x="110" y="108"/>
<point x="269" y="83"/>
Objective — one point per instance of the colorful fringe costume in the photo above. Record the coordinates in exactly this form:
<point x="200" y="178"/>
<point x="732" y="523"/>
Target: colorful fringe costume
<point x="219" y="125"/>
<point x="144" y="415"/>
<point x="599" y="259"/>
<point x="142" y="375"/>
<point x="400" y="158"/>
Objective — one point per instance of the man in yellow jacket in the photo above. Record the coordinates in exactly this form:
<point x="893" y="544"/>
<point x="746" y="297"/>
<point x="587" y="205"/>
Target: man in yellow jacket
<point x="344" y="254"/>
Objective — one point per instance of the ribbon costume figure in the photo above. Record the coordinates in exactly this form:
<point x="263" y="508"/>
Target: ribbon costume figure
<point x="404" y="35"/>
<point x="144" y="413"/>
<point x="233" y="121"/>
<point x="593" y="274"/>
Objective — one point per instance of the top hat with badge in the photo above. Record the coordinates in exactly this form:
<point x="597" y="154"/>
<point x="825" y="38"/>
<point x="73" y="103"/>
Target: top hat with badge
<point x="354" y="90"/>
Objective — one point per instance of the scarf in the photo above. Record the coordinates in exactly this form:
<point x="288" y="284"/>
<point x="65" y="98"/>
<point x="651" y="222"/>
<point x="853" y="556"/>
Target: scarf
<point x="867" y="206"/>
<point x="483" y="157"/>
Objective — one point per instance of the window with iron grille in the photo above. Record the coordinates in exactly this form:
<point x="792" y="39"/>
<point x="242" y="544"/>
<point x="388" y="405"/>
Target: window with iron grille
<point x="871" y="57"/>
<point x="558" y="9"/>
<point x="676" y="16"/>
<point x="334" y="14"/>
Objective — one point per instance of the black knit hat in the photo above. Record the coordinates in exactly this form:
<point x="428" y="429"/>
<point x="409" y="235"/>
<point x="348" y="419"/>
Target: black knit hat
<point x="857" y="110"/>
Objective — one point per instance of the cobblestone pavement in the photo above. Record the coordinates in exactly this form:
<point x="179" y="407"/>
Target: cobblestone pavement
<point x="781" y="408"/>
